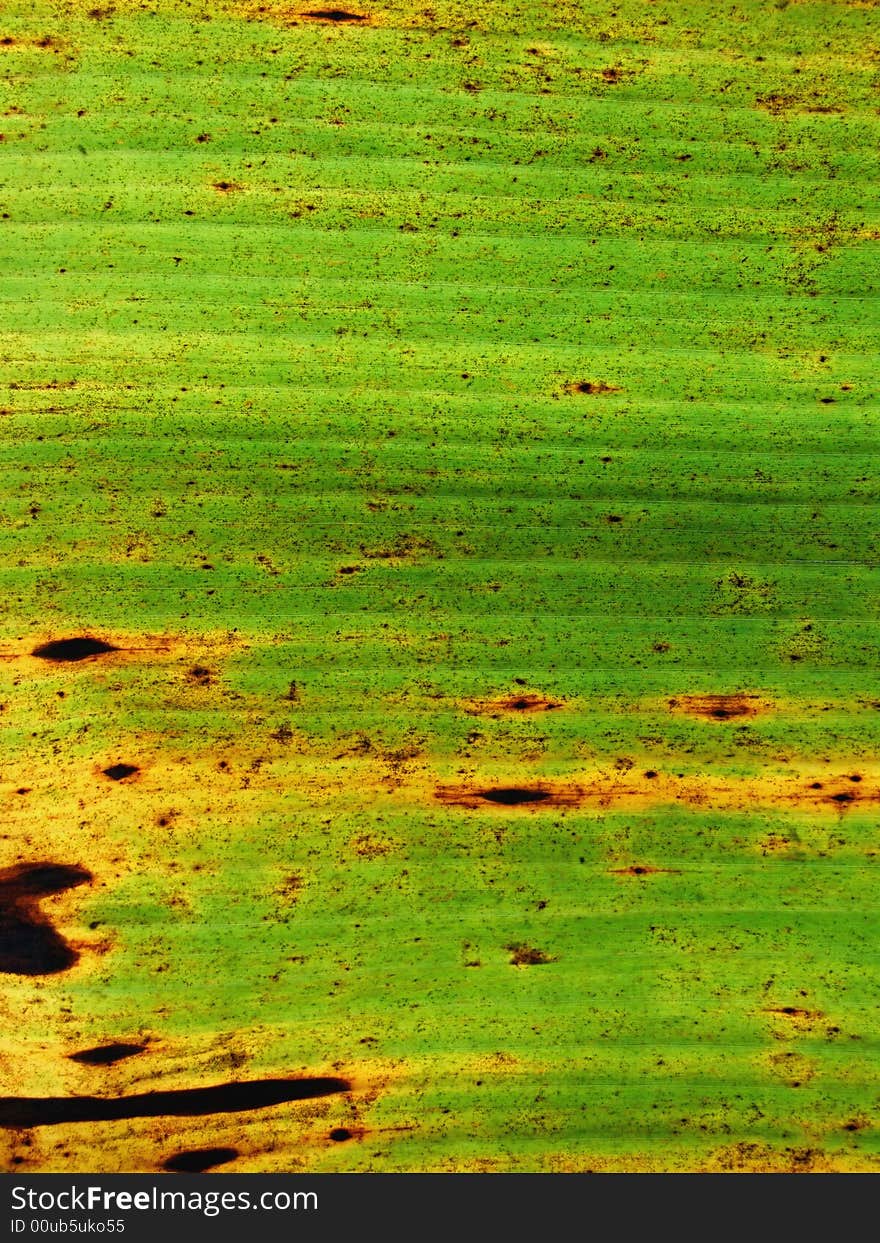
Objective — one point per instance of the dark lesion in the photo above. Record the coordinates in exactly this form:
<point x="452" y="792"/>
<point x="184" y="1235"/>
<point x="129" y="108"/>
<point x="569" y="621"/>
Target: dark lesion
<point x="32" y="1111"/>
<point x="642" y="869"/>
<point x="794" y="1012"/>
<point x="514" y="796"/>
<point x="590" y="388"/>
<point x="29" y="944"/>
<point x="198" y="1160"/>
<point x="509" y="796"/>
<point x="120" y="772"/>
<point x="717" y="707"/>
<point x="334" y="15"/>
<point x="106" y="1054"/>
<point x="524" y="703"/>
<point x="67" y="651"/>
<point x="522" y="955"/>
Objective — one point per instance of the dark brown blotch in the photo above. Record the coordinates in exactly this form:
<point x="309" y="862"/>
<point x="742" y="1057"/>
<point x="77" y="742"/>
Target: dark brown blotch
<point x="334" y="15"/>
<point x="525" y="703"/>
<point x="717" y="707"/>
<point x="641" y="869"/>
<point x="80" y="647"/>
<point x="106" y="1054"/>
<point x="510" y="796"/>
<point x="590" y="388"/>
<point x="29" y="944"/>
<point x="514" y="796"/>
<point x="17" y="1112"/>
<point x="197" y="1160"/>
<point x="522" y="955"/>
<point x="119" y="772"/>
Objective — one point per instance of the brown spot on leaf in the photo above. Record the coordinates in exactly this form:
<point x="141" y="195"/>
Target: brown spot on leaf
<point x="81" y="647"/>
<point x="290" y="888"/>
<point x="522" y="955"/>
<point x="794" y="1012"/>
<point x="197" y="1160"/>
<point x="760" y="1158"/>
<point x="404" y="545"/>
<point x="641" y="869"/>
<point x="106" y="1054"/>
<point x="512" y="703"/>
<point x="514" y="796"/>
<point x="119" y="772"/>
<point x="367" y="846"/>
<point x="31" y="1111"/>
<point x="590" y="388"/>
<point x="334" y="15"/>
<point x="508" y="796"/>
<point x="777" y="104"/>
<point x="717" y="707"/>
<point x="29" y="944"/>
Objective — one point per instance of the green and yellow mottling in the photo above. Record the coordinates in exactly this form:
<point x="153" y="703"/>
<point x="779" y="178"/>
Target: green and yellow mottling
<point x="360" y="379"/>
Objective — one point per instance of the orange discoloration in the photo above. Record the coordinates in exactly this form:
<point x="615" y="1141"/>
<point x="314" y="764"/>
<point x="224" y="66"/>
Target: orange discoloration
<point x="719" y="707"/>
<point x="512" y="704"/>
<point x="760" y="1158"/>
<point x="504" y="796"/>
<point x="97" y="648"/>
<point x="794" y="1012"/>
<point x="275" y="1138"/>
<point x="653" y="789"/>
<point x="590" y="388"/>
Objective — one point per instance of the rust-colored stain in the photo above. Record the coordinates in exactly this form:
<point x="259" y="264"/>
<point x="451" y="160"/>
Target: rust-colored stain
<point x="654" y="788"/>
<point x="522" y="955"/>
<point x="590" y="388"/>
<point x="795" y="1013"/>
<point x="506" y="705"/>
<point x="718" y="707"/>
